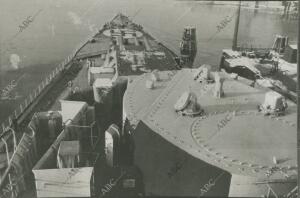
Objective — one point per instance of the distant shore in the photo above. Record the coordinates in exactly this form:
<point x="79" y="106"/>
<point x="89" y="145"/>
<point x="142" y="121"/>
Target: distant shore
<point x="264" y="8"/>
<point x="270" y="9"/>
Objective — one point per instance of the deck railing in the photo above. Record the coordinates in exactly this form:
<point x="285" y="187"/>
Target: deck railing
<point x="293" y="193"/>
<point x="6" y="131"/>
<point x="31" y="97"/>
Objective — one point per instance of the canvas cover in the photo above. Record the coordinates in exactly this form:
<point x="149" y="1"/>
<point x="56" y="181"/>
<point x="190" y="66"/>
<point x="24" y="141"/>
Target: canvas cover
<point x="66" y="182"/>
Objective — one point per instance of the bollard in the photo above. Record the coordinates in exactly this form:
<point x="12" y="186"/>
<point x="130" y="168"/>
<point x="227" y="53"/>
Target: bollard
<point x="16" y="114"/>
<point x="26" y="103"/>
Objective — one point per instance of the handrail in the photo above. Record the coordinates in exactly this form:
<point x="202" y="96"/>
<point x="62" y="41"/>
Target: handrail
<point x="292" y="192"/>
<point x="6" y="126"/>
<point x="10" y="165"/>
<point x="44" y="83"/>
<point x="86" y="126"/>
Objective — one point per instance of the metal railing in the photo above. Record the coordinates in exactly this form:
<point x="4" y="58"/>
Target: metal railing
<point x="6" y="129"/>
<point x="40" y="88"/>
<point x="293" y="193"/>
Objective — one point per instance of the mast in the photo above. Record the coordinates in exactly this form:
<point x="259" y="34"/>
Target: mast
<point x="236" y="28"/>
<point x="298" y="92"/>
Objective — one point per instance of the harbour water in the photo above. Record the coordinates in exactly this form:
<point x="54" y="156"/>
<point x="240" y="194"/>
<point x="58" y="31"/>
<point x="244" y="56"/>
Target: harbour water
<point x="30" y="52"/>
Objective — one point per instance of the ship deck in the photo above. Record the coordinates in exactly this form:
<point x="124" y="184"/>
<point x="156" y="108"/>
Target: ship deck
<point x="245" y="145"/>
<point x="137" y="51"/>
<point x="286" y="73"/>
<point x="151" y="56"/>
<point x="156" y="57"/>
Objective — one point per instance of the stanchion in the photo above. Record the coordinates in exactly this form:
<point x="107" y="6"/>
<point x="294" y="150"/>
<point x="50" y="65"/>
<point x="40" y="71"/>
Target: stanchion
<point x="298" y="95"/>
<point x="3" y="127"/>
<point x="14" y="137"/>
<point x="30" y="98"/>
<point x="21" y="108"/>
<point x="9" y="121"/>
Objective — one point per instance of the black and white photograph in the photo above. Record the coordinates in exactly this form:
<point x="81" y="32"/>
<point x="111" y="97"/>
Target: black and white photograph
<point x="149" y="98"/>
